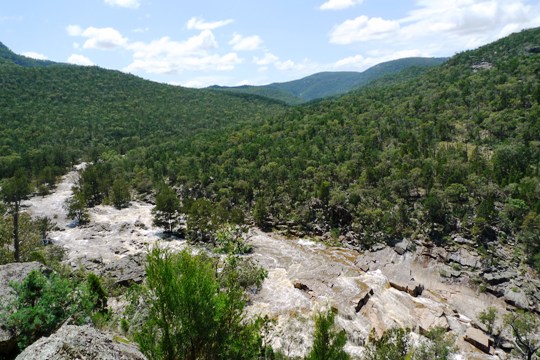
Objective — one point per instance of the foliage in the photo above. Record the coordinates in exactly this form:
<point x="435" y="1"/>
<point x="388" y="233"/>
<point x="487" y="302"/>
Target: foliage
<point x="328" y="343"/>
<point x="120" y="195"/>
<point x="488" y="318"/>
<point x="43" y="303"/>
<point x="447" y="151"/>
<point x="392" y="345"/>
<point x="230" y="240"/>
<point x="440" y="345"/>
<point x="167" y="210"/>
<point x="76" y="207"/>
<point x="525" y="328"/>
<point x="190" y="316"/>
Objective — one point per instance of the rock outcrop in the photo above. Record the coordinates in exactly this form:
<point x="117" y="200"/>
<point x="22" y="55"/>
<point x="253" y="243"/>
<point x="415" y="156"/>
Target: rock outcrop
<point x="478" y="339"/>
<point x="82" y="343"/>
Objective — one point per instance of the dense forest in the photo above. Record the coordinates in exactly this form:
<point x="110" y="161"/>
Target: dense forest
<point x="432" y="153"/>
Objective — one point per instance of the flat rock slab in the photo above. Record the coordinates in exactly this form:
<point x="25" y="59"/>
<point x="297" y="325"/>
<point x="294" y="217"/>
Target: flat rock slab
<point x="81" y="343"/>
<point x="478" y="339"/>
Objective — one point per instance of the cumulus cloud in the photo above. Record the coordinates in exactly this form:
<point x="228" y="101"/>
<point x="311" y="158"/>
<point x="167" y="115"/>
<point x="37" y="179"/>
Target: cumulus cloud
<point x="266" y="60"/>
<point x="245" y="43"/>
<point x="131" y="4"/>
<point x="99" y="38"/>
<point x="340" y="4"/>
<point x="461" y="23"/>
<point x="363" y="28"/>
<point x="196" y="23"/>
<point x="35" y="55"/>
<point x="78" y="59"/>
<point x="168" y="56"/>
<point x="74" y="30"/>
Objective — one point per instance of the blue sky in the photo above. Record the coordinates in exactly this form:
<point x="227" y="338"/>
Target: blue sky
<point x="233" y="42"/>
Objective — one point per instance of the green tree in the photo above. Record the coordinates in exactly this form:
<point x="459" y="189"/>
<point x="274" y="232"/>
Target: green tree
<point x="190" y="316"/>
<point x="76" y="207"/>
<point x="440" y="345"/>
<point x="328" y="343"/>
<point x="120" y="195"/>
<point x="393" y="345"/>
<point x="488" y="318"/>
<point x="14" y="190"/>
<point x="525" y="328"/>
<point x="167" y="210"/>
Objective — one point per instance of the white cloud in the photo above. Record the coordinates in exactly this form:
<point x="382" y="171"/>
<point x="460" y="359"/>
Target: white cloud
<point x="99" y="38"/>
<point x="266" y="60"/>
<point x="103" y="38"/>
<point x="35" y="55"/>
<point x="74" y="30"/>
<point x="340" y="4"/>
<point x="363" y="28"/>
<point x="196" y="23"/>
<point x="245" y="43"/>
<point x="168" y="56"/>
<point x="457" y="24"/>
<point x="78" y="59"/>
<point x="132" y="4"/>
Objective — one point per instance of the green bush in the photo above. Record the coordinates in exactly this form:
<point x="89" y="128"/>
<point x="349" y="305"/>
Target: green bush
<point x="42" y="304"/>
<point x="328" y="342"/>
<point x="189" y="315"/>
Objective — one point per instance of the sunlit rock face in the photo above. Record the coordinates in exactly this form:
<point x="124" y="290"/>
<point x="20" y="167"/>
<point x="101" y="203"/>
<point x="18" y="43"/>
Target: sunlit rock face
<point x="371" y="291"/>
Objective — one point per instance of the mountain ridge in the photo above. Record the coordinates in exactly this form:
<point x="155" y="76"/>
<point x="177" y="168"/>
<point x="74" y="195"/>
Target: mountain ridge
<point x="330" y="83"/>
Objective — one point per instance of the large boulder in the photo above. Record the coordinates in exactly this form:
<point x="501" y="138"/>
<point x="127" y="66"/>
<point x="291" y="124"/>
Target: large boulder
<point x="82" y="343"/>
<point x="127" y="270"/>
<point x="478" y="339"/>
<point x="15" y="272"/>
<point x="465" y="258"/>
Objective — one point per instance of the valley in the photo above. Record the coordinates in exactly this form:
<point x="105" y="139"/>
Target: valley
<point x="399" y="219"/>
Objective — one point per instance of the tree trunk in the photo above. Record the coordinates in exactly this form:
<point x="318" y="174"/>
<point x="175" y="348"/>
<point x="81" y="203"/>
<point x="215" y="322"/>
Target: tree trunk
<point x="16" y="232"/>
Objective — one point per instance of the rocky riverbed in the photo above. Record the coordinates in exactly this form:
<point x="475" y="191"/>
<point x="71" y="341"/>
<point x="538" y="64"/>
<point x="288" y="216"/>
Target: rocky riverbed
<point x="409" y="285"/>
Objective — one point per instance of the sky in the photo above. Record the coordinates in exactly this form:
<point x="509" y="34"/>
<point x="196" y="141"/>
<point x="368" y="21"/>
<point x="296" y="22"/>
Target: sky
<point x="236" y="42"/>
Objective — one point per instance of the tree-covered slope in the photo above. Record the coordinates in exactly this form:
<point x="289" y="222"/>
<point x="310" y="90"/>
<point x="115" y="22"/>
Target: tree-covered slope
<point x="454" y="151"/>
<point x="328" y="84"/>
<point x="54" y="114"/>
<point x="9" y="57"/>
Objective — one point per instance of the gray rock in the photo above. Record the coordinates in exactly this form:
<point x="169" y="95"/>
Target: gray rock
<point x="461" y="240"/>
<point x="127" y="270"/>
<point x="377" y="247"/>
<point x="82" y="343"/>
<point x="497" y="278"/>
<point x="516" y="297"/>
<point x="15" y="272"/>
<point x="478" y="339"/>
<point x="402" y="246"/>
<point x="464" y="258"/>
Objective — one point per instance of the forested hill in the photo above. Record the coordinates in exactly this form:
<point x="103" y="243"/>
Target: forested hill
<point x="328" y="84"/>
<point x="454" y="151"/>
<point x="432" y="155"/>
<point x="52" y="115"/>
<point x="9" y="57"/>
